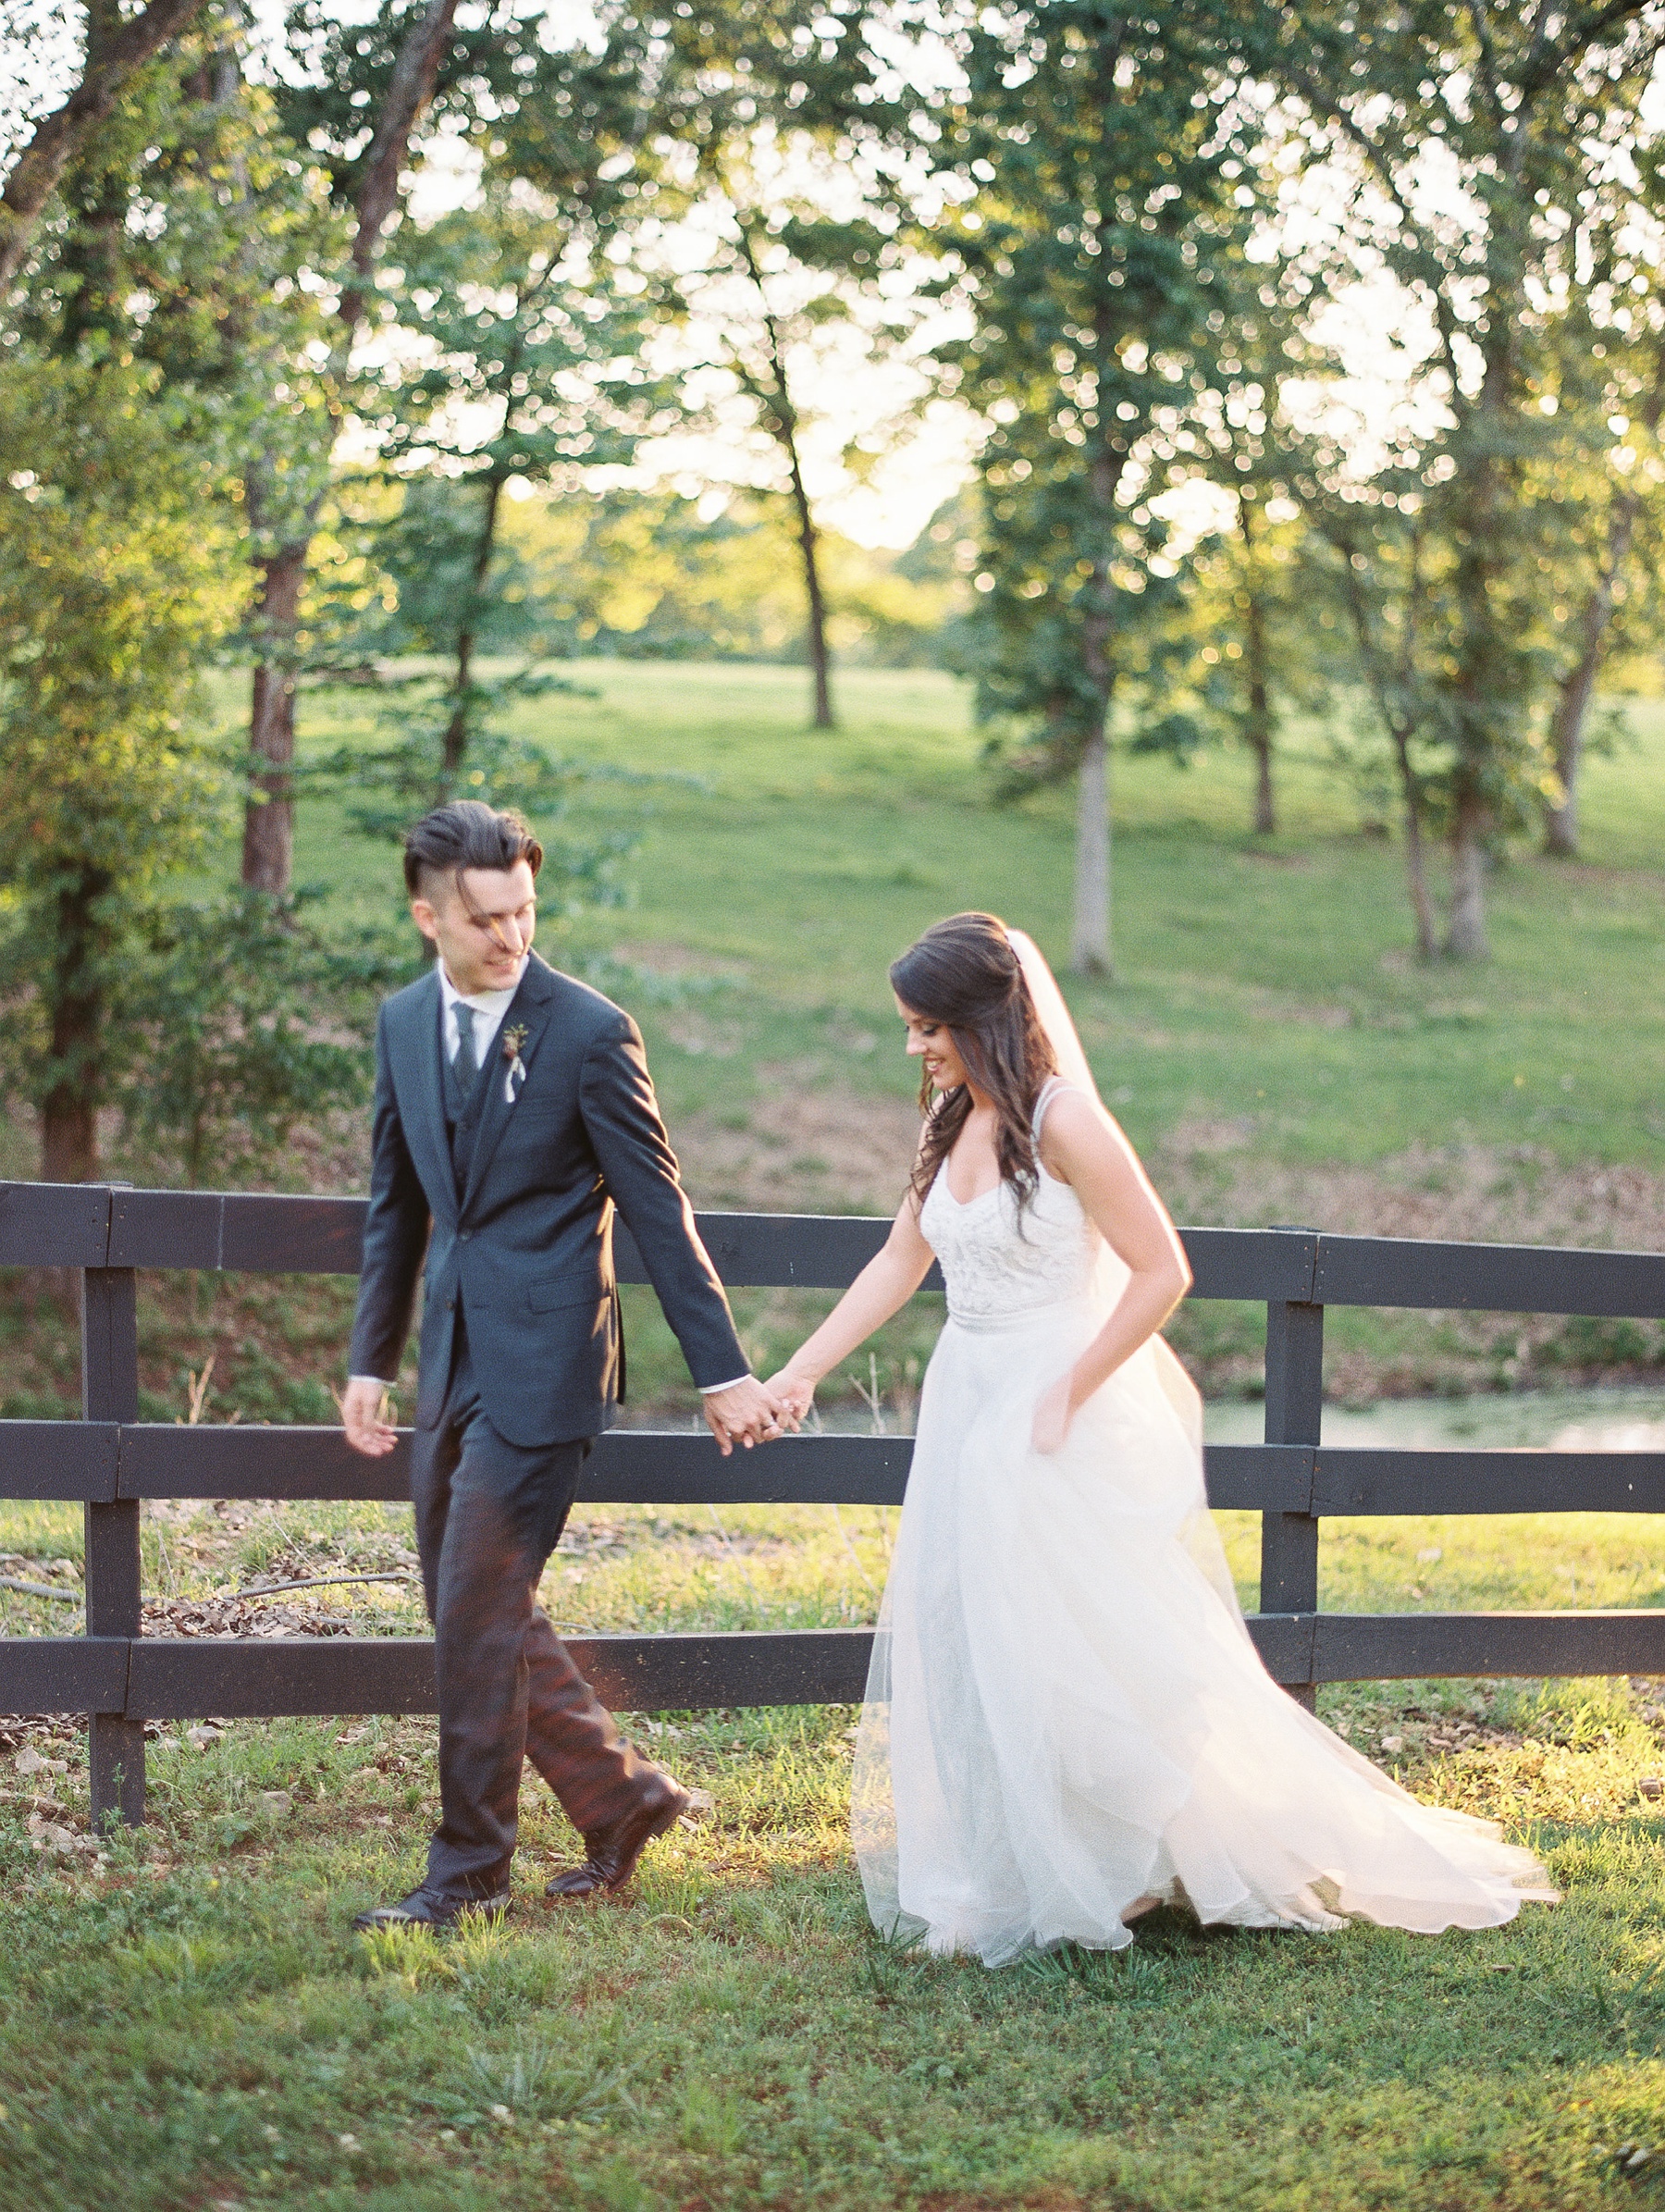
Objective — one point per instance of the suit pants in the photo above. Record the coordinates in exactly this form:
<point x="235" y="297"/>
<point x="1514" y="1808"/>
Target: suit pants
<point x="489" y="1515"/>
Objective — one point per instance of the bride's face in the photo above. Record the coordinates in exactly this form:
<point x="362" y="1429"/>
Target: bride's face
<point x="931" y="1042"/>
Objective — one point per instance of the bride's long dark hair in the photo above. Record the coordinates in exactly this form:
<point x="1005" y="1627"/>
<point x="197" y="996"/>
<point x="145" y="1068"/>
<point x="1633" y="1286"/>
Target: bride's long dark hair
<point x="964" y="974"/>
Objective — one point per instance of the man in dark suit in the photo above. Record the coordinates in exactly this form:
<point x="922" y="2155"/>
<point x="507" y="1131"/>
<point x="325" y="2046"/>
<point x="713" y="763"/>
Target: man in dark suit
<point x="514" y="1113"/>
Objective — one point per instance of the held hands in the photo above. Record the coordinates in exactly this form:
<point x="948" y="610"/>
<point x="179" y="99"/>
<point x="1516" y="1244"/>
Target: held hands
<point x="364" y="1417"/>
<point x="1054" y="1414"/>
<point x="793" y="1393"/>
<point x="744" y="1412"/>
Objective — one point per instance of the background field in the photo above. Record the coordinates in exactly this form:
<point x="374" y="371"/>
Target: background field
<point x="1273" y="1051"/>
<point x="187" y="2020"/>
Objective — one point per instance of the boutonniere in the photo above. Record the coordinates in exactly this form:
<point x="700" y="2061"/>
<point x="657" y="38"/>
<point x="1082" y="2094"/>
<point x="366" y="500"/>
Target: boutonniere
<point x="514" y="1036"/>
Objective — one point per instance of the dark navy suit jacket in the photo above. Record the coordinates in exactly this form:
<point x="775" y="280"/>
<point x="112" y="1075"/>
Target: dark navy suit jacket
<point x="525" y="1252"/>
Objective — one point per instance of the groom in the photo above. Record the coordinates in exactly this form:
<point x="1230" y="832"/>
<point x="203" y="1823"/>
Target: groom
<point x="514" y="1113"/>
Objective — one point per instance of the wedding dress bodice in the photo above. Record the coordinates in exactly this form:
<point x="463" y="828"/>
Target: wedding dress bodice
<point x="1000" y="1263"/>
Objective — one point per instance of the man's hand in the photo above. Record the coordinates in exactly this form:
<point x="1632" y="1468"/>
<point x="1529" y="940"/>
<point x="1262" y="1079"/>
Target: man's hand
<point x="362" y="1415"/>
<point x="746" y="1411"/>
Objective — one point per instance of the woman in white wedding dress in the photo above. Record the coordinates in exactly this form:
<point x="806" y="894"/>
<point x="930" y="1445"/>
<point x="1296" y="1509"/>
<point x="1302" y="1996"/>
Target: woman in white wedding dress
<point x="1065" y="1720"/>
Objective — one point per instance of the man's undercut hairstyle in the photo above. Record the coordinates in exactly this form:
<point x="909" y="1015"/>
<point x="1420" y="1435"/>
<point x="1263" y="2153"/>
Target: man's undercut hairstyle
<point x="467" y="833"/>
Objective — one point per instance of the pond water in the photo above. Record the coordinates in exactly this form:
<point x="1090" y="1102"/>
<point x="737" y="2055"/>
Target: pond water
<point x="1620" y="1419"/>
<point x="1593" y="1420"/>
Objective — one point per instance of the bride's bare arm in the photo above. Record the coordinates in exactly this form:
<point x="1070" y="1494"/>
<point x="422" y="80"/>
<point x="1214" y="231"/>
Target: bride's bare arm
<point x="1081" y="1143"/>
<point x="884" y="1285"/>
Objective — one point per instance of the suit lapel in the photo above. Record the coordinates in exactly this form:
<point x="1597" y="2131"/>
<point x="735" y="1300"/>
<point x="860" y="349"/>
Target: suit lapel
<point x="426" y="1131"/>
<point x="529" y="1009"/>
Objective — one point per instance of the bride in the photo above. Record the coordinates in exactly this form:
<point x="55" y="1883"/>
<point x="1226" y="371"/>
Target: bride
<point x="1065" y="1720"/>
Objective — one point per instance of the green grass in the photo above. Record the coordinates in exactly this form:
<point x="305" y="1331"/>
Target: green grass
<point x="1263" y="983"/>
<point x="187" y="2021"/>
<point x="192" y="2023"/>
<point x="1270" y="1046"/>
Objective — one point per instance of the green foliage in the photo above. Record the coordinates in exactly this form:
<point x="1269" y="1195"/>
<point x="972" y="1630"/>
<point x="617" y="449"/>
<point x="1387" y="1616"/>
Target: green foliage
<point x="115" y="582"/>
<point x="239" y="1020"/>
<point x="650" y="574"/>
<point x="1549" y="201"/>
<point x="383" y="786"/>
<point x="116" y="578"/>
<point x="1097" y="256"/>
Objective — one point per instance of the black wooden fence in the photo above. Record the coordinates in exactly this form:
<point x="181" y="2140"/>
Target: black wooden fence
<point x="111" y="1461"/>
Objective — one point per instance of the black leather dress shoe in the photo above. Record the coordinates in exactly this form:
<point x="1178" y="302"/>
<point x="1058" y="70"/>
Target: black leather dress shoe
<point x="610" y="1854"/>
<point x="430" y="1909"/>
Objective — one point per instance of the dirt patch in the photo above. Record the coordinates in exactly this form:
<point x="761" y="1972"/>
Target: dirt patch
<point x="801" y="1151"/>
<point x="1467" y="1193"/>
<point x="806" y="1151"/>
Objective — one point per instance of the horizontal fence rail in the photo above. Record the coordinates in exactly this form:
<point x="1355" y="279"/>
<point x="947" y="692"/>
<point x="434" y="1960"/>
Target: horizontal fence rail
<point x="111" y="1461"/>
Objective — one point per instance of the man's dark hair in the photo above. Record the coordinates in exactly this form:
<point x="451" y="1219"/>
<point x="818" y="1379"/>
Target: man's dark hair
<point x="467" y="833"/>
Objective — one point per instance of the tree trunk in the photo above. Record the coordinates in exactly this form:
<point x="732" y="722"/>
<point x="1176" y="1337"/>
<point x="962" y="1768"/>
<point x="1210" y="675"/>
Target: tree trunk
<point x="456" y="731"/>
<point x="1089" y="945"/>
<point x="1465" y="939"/>
<point x="69" y="1110"/>
<point x="1265" y="812"/>
<point x="411" y="87"/>
<point x="1566" y="749"/>
<point x="111" y="67"/>
<point x="269" y="810"/>
<point x="269" y="844"/>
<point x="1091" y="950"/>
<point x="774" y="399"/>
<point x="1398" y="728"/>
<point x="1578" y="687"/>
<point x="1258" y="729"/>
<point x="820" y="659"/>
<point x="1416" y="877"/>
<point x="455" y="743"/>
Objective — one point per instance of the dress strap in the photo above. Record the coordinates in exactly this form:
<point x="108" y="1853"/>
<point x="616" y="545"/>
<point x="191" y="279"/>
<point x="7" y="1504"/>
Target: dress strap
<point x="1050" y="1090"/>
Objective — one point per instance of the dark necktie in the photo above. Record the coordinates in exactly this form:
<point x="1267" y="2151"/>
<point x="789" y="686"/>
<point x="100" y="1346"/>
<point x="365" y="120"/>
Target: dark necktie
<point x="465" y="1065"/>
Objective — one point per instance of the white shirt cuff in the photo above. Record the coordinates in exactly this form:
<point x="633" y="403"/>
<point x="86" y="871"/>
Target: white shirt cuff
<point x="707" y="1389"/>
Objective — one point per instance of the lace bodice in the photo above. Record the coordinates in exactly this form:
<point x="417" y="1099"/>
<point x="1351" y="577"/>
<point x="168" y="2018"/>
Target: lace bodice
<point x="997" y="1263"/>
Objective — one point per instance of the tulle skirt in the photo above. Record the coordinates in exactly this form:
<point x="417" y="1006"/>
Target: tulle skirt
<point x="1066" y="1717"/>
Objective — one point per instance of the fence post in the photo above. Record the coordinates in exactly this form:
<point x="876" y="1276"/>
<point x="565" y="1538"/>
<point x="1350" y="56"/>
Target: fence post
<point x="110" y="1392"/>
<point x="1294" y="1408"/>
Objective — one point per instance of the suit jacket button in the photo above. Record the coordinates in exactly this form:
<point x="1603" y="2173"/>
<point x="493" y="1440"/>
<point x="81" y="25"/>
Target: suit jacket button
<point x="463" y="1235"/>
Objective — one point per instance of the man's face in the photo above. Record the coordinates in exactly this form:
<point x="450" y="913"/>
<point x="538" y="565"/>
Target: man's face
<point x="482" y="921"/>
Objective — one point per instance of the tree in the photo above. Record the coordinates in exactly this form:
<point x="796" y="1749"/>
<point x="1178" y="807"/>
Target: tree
<point x="116" y="578"/>
<point x="1609" y="388"/>
<point x="367" y="88"/>
<point x="768" y="143"/>
<point x="117" y="51"/>
<point x="776" y="280"/>
<point x="1246" y="650"/>
<point x="240" y="1020"/>
<point x="525" y="373"/>
<point x="1479" y="142"/>
<point x="1374" y="555"/>
<point x="1245" y="599"/>
<point x="1109" y="174"/>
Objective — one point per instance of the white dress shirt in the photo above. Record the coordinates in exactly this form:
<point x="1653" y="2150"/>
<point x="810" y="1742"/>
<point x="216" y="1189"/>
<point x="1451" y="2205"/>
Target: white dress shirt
<point x="489" y="1009"/>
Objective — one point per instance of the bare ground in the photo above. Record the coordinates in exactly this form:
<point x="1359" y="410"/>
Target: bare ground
<point x="823" y="1148"/>
<point x="802" y="1151"/>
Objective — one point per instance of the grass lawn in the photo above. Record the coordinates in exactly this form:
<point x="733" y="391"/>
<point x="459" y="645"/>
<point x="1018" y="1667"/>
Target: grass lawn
<point x="1262" y="983"/>
<point x="186" y="2020"/>
<point x="192" y="2024"/>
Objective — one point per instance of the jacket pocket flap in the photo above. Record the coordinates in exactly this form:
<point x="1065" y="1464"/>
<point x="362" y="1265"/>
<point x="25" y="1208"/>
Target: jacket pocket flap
<point x="555" y="1291"/>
